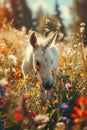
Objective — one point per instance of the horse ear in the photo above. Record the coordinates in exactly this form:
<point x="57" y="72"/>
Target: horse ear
<point x="52" y="39"/>
<point x="33" y="40"/>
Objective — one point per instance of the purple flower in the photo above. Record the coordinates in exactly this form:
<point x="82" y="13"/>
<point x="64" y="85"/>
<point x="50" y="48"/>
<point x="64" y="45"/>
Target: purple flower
<point x="65" y="119"/>
<point x="68" y="86"/>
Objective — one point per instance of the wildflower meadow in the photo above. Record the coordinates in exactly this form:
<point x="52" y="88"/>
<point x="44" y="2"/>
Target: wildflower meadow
<point x="66" y="109"/>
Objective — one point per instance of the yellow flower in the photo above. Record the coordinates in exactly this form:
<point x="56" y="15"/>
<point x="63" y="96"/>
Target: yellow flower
<point x="82" y="75"/>
<point x="22" y="81"/>
<point x="29" y="93"/>
<point x="38" y="84"/>
<point x="27" y="77"/>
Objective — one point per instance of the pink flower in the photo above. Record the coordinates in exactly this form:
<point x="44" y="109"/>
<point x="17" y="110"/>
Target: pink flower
<point x="68" y="86"/>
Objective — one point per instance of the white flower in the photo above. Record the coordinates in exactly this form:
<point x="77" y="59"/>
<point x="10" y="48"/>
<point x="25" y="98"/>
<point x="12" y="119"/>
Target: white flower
<point x="41" y="119"/>
<point x="13" y="70"/>
<point x="40" y="127"/>
<point x="80" y="44"/>
<point x="75" y="45"/>
<point x="82" y="29"/>
<point x="14" y="58"/>
<point x="82" y="24"/>
<point x="61" y="35"/>
<point x="3" y="82"/>
<point x="47" y="21"/>
<point x="7" y="70"/>
<point x="60" y="126"/>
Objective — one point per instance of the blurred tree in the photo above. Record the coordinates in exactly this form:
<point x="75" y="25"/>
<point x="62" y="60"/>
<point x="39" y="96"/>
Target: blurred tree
<point x="80" y="8"/>
<point x="4" y="13"/>
<point x="58" y="13"/>
<point x="50" y="23"/>
<point x="47" y="24"/>
<point x="21" y="13"/>
<point x="36" y="21"/>
<point x="40" y="20"/>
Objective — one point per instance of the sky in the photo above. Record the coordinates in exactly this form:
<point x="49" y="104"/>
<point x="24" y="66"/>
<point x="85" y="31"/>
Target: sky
<point x="48" y="7"/>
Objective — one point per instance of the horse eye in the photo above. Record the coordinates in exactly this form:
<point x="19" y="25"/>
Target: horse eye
<point x="37" y="63"/>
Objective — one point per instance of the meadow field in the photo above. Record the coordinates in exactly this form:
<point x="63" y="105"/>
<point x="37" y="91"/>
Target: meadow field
<point x="67" y="107"/>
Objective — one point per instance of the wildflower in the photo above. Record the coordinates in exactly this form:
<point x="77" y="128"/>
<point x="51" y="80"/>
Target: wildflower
<point x="3" y="82"/>
<point x="81" y="101"/>
<point x="60" y="126"/>
<point x="65" y="119"/>
<point x="32" y="115"/>
<point x="47" y="21"/>
<point x="80" y="111"/>
<point x="14" y="58"/>
<point x="18" y="116"/>
<point x="38" y="84"/>
<point x="75" y="45"/>
<point x="13" y="49"/>
<point x="82" y="29"/>
<point x="40" y="119"/>
<point x="64" y="106"/>
<point x="13" y="70"/>
<point x="61" y="35"/>
<point x="30" y="93"/>
<point x="68" y="86"/>
<point x="27" y="77"/>
<point x="82" y="24"/>
<point x="82" y="75"/>
<point x="40" y="127"/>
<point x="5" y="41"/>
<point x="17" y="74"/>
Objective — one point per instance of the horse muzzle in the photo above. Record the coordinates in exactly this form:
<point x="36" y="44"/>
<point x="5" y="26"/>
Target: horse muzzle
<point x="47" y="85"/>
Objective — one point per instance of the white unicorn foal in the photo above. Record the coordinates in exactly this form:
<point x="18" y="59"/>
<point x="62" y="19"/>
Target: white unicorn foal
<point x="42" y="57"/>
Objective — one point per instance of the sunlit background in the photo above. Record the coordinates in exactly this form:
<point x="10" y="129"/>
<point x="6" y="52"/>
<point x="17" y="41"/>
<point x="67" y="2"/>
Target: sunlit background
<point x="31" y="13"/>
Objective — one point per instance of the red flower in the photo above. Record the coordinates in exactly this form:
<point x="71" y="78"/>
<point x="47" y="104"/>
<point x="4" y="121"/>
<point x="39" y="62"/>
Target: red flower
<point x="32" y="115"/>
<point x="73" y="115"/>
<point x="18" y="116"/>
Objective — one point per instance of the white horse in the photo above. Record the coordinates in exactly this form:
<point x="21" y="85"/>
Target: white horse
<point x="42" y="58"/>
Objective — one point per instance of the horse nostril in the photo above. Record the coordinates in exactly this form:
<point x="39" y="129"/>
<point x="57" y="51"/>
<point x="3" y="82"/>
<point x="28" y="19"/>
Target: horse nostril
<point x="48" y="85"/>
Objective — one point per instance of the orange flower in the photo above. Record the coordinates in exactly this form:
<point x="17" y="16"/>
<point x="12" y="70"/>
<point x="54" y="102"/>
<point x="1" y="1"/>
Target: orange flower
<point x="18" y="116"/>
<point x="38" y="84"/>
<point x="29" y="93"/>
<point x="80" y="111"/>
<point x="81" y="101"/>
<point x="13" y="49"/>
<point x="5" y="40"/>
<point x="17" y="74"/>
